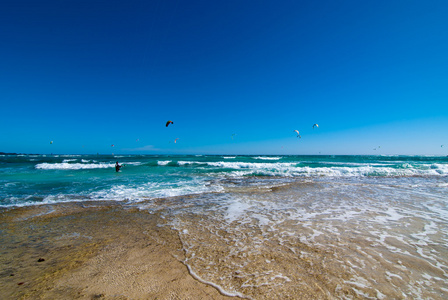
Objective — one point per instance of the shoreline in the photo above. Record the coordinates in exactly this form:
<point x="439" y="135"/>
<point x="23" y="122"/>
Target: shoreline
<point x="208" y="228"/>
<point x="93" y="250"/>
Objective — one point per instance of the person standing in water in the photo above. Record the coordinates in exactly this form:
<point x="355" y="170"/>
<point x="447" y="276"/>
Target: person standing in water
<point x="117" y="167"/>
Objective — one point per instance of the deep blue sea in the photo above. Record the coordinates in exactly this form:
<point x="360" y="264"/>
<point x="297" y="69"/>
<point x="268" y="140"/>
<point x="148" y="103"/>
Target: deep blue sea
<point x="265" y="227"/>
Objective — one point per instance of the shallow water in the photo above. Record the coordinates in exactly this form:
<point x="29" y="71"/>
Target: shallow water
<point x="274" y="227"/>
<point x="377" y="238"/>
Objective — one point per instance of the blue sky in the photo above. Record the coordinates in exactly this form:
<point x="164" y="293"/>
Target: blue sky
<point x="89" y="74"/>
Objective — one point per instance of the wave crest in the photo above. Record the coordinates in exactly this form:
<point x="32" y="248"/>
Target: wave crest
<point x="76" y="166"/>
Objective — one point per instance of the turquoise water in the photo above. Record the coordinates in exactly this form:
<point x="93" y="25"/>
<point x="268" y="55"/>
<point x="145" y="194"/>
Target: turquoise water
<point x="34" y="179"/>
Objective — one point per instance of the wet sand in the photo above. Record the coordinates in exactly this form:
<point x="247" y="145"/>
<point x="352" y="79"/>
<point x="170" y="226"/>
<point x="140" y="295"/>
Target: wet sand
<point x="93" y="250"/>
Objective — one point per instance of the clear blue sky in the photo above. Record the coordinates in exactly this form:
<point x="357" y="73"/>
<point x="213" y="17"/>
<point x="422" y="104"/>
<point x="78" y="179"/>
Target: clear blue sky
<point x="89" y="74"/>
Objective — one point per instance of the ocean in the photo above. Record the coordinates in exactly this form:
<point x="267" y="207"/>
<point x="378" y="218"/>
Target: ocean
<point x="265" y="227"/>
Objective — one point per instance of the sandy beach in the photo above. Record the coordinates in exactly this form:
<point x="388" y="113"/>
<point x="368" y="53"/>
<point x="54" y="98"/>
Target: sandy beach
<point x="92" y="251"/>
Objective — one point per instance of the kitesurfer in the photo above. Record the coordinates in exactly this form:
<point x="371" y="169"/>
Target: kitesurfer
<point x="117" y="167"/>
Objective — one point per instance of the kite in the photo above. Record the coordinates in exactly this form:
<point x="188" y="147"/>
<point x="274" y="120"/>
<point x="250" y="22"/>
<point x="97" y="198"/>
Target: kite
<point x="315" y="125"/>
<point x="175" y="140"/>
<point x="168" y="123"/>
<point x="51" y="142"/>
<point x="298" y="135"/>
<point x="112" y="145"/>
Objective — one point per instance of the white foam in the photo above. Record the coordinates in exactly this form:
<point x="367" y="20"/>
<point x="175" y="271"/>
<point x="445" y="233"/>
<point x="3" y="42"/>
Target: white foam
<point x="389" y="275"/>
<point x="262" y="219"/>
<point x="375" y="211"/>
<point x="380" y="295"/>
<point x="235" y="210"/>
<point x="76" y="166"/>
<point x="440" y="169"/>
<point x="358" y="281"/>
<point x="69" y="160"/>
<point x="281" y="276"/>
<point x="132" y="163"/>
<point x="153" y="190"/>
<point x="294" y="170"/>
<point x="218" y="287"/>
<point x="67" y="165"/>
<point x="48" y="200"/>
<point x="346" y="215"/>
<point x="393" y="215"/>
<point x="267" y="158"/>
<point x="254" y="166"/>
<point x="163" y="162"/>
